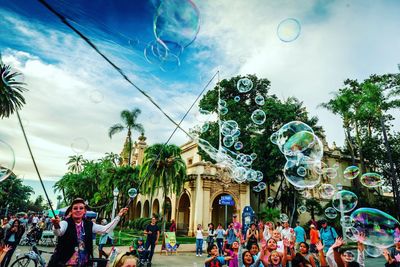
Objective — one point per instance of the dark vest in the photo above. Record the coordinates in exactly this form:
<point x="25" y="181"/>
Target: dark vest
<point x="69" y="241"/>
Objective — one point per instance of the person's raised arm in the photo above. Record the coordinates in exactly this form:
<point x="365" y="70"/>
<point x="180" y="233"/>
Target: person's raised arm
<point x="59" y="227"/>
<point x="322" y="259"/>
<point x="338" y="243"/>
<point x="286" y="245"/>
<point x="360" y="246"/>
<point x="6" y="248"/>
<point x="102" y="229"/>
<point x="387" y="256"/>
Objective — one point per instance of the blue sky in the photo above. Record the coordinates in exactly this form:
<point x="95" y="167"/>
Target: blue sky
<point x="75" y="95"/>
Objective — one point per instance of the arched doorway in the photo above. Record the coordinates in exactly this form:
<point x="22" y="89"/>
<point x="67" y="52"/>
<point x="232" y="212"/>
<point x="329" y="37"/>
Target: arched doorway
<point x="182" y="221"/>
<point x="156" y="207"/>
<point x="146" y="207"/>
<point x="138" y="210"/>
<point x="219" y="214"/>
<point x="168" y="208"/>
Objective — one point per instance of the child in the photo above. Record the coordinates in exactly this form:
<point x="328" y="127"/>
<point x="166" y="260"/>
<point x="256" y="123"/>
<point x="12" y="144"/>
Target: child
<point x="213" y="260"/>
<point x="138" y="249"/>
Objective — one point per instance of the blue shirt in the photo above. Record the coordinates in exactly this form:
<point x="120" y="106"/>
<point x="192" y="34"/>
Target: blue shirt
<point x="328" y="235"/>
<point x="300" y="233"/>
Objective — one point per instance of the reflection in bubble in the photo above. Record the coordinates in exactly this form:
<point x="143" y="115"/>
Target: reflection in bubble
<point x="258" y="116"/>
<point x="259" y="99"/>
<point x="372" y="180"/>
<point x="283" y="217"/>
<point x="132" y="192"/>
<point x="244" y="85"/>
<point x="351" y="172"/>
<point x="330" y="213"/>
<point x="326" y="191"/>
<point x="348" y="198"/>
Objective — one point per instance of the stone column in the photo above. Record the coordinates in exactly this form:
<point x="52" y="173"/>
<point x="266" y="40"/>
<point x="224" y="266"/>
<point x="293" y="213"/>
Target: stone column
<point x="199" y="202"/>
<point x="207" y="208"/>
<point x="192" y="211"/>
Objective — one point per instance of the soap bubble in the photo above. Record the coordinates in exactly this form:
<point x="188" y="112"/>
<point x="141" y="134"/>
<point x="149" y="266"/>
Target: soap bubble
<point x="177" y="21"/>
<point x="348" y="256"/>
<point x="330" y="213"/>
<point x="331" y="173"/>
<point x="372" y="180"/>
<point x="301" y="171"/>
<point x="274" y="138"/>
<point x="258" y="116"/>
<point x="253" y="156"/>
<point x="306" y="194"/>
<point x="326" y="191"/>
<point x="236" y="98"/>
<point x="223" y="110"/>
<point x="298" y="142"/>
<point x="262" y="186"/>
<point x="7" y="160"/>
<point x="80" y="145"/>
<point x="238" y="145"/>
<point x="205" y="127"/>
<point x="170" y="63"/>
<point x="351" y="172"/>
<point x="251" y="175"/>
<point x="283" y="217"/>
<point x="378" y="226"/>
<point x="270" y="200"/>
<point x="132" y="192"/>
<point x="256" y="188"/>
<point x="373" y="251"/>
<point x="222" y="102"/>
<point x="288" y="30"/>
<point x="244" y="85"/>
<point x="259" y="177"/>
<point x="259" y="99"/>
<point x="309" y="180"/>
<point x="352" y="233"/>
<point x="349" y="201"/>
<point x="229" y="128"/>
<point x="228" y="141"/>
<point x="302" y="209"/>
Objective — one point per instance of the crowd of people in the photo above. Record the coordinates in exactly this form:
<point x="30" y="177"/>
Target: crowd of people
<point x="278" y="245"/>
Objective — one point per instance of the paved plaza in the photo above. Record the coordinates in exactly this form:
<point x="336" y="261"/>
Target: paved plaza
<point x="186" y="257"/>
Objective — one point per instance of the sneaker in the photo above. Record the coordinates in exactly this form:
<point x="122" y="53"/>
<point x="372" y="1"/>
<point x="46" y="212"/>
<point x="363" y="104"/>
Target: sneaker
<point x="201" y="255"/>
<point x="197" y="255"/>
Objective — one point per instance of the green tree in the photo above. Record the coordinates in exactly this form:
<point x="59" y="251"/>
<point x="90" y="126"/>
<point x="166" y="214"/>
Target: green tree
<point x="11" y="89"/>
<point x="163" y="168"/>
<point x="14" y="194"/>
<point x="75" y="163"/>
<point x="129" y="119"/>
<point x="314" y="207"/>
<point x="255" y="138"/>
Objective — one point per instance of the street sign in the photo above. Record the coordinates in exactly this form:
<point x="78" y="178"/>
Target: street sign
<point x="227" y="202"/>
<point x="227" y="198"/>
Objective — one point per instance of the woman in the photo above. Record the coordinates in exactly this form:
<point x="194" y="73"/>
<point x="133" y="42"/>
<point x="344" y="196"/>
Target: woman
<point x="12" y="238"/>
<point x="304" y="251"/>
<point x="251" y="235"/>
<point x="220" y="232"/>
<point x="199" y="241"/>
<point x="211" y="234"/>
<point x="74" y="246"/>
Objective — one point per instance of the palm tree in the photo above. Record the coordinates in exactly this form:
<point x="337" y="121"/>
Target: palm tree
<point x="75" y="163"/>
<point x="162" y="167"/>
<point x="11" y="98"/>
<point x="129" y="122"/>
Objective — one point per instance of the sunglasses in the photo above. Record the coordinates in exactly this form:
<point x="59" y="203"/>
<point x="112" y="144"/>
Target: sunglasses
<point x="78" y="208"/>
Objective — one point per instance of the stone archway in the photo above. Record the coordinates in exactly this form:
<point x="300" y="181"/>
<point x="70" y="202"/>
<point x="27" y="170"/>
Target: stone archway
<point x="183" y="215"/>
<point x="218" y="211"/>
<point x="146" y="207"/>
<point x="138" y="210"/>
<point x="156" y="207"/>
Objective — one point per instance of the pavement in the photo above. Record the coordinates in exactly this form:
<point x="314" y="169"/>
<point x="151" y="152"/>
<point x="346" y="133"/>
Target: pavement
<point x="185" y="257"/>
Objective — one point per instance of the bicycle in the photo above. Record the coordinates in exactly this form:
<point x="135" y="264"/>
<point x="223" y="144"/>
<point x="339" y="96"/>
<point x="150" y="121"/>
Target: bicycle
<point x="32" y="258"/>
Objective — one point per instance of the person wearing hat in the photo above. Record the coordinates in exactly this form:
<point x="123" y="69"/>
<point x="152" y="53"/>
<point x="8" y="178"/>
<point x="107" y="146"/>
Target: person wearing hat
<point x="314" y="239"/>
<point x="327" y="234"/>
<point x="74" y="246"/>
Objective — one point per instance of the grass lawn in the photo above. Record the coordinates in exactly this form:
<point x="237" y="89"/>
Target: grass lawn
<point x="126" y="236"/>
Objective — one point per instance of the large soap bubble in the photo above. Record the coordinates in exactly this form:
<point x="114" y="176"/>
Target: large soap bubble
<point x="177" y="21"/>
<point x="351" y="172"/>
<point x="288" y="30"/>
<point x="132" y="192"/>
<point x="372" y="179"/>
<point x="373" y="251"/>
<point x="378" y="226"/>
<point x="229" y="128"/>
<point x="348" y="198"/>
<point x="298" y="142"/>
<point x="308" y="177"/>
<point x="244" y="85"/>
<point x="7" y="160"/>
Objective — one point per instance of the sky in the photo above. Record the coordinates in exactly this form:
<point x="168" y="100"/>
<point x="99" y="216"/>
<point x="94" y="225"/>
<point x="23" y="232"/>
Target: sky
<point x="75" y="95"/>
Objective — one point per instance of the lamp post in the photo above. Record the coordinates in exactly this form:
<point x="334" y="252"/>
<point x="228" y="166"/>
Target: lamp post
<point x="115" y="194"/>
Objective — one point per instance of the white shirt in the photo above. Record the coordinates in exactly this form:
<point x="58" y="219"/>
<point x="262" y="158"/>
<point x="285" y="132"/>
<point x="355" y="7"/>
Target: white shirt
<point x="97" y="228"/>
<point x="199" y="234"/>
<point x="287" y="233"/>
<point x="35" y="219"/>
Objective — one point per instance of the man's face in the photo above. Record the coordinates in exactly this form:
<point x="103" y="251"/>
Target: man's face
<point x="324" y="225"/>
<point x="286" y="224"/>
<point x="78" y="211"/>
<point x="153" y="220"/>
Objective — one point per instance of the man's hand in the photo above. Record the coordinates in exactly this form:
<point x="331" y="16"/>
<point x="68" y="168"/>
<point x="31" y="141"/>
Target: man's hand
<point x="319" y="246"/>
<point x="7" y="248"/>
<point x="122" y="212"/>
<point x="338" y="243"/>
<point x="56" y="222"/>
